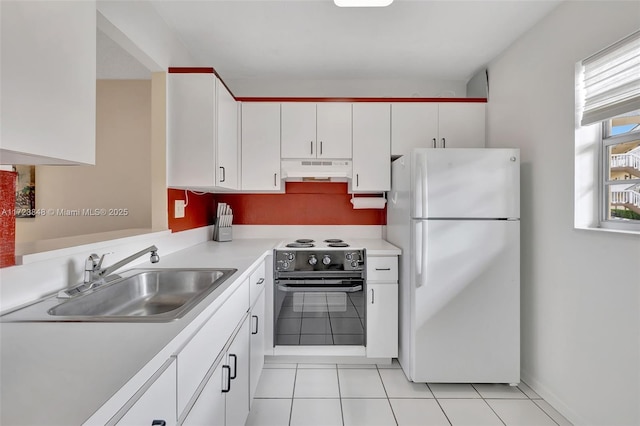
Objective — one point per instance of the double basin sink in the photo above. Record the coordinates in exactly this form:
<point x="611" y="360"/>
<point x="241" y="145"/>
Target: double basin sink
<point x="139" y="295"/>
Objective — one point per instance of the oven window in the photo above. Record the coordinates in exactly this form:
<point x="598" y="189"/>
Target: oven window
<point x="319" y="317"/>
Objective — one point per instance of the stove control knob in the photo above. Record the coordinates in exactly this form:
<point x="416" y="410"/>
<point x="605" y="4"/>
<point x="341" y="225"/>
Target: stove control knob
<point x="349" y="256"/>
<point x="285" y="265"/>
<point x="291" y="256"/>
<point x="313" y="260"/>
<point x="326" y="259"/>
<point x="354" y="264"/>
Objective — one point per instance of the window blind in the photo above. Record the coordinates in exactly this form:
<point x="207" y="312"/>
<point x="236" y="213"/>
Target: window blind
<point x="611" y="80"/>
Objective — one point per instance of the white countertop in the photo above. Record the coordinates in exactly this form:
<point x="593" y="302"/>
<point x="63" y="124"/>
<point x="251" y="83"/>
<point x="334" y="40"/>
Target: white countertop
<point x="61" y="373"/>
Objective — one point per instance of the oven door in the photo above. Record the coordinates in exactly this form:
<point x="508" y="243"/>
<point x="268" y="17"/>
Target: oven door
<point x="319" y="312"/>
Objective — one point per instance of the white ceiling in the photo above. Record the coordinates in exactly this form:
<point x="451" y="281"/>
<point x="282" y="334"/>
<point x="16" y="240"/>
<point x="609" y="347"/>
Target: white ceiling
<point x="316" y="40"/>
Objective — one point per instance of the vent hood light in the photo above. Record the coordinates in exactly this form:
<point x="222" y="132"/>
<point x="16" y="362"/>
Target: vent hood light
<point x="362" y="3"/>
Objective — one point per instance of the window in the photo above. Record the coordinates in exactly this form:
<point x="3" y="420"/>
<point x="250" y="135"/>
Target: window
<point x="620" y="192"/>
<point x="609" y="95"/>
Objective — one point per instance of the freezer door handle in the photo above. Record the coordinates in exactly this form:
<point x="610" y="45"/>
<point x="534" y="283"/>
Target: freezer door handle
<point x="420" y="252"/>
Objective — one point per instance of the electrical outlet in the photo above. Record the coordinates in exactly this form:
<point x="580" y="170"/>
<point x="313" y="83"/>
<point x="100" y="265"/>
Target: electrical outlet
<point x="178" y="211"/>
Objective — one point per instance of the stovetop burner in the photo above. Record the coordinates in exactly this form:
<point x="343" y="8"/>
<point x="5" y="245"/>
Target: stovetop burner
<point x="334" y="240"/>
<point x="305" y="241"/>
<point x="300" y="245"/>
<point x="338" y="244"/>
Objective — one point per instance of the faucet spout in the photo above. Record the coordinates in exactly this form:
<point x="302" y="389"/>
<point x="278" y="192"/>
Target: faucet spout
<point x="110" y="269"/>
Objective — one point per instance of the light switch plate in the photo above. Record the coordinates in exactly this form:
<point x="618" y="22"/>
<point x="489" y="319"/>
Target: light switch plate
<point x="178" y="211"/>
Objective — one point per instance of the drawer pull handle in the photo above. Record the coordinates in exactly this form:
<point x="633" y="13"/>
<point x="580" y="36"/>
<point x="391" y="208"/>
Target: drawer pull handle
<point x="373" y="297"/>
<point x="260" y="281"/>
<point x="226" y="367"/>
<point x="383" y="269"/>
<point x="158" y="423"/>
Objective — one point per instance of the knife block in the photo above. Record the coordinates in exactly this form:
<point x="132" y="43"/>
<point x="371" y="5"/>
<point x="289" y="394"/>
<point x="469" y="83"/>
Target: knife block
<point x="222" y="233"/>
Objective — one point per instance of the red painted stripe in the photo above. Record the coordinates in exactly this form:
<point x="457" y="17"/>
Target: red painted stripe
<point x="7" y="218"/>
<point x="192" y="70"/>
<point x="290" y="99"/>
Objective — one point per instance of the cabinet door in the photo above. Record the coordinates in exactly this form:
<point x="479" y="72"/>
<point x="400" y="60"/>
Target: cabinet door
<point x="371" y="147"/>
<point x="209" y="408"/>
<point x="461" y="125"/>
<point x="260" y="146"/>
<point x="334" y="130"/>
<point x="227" y="139"/>
<point x="413" y="125"/>
<point x="48" y="80"/>
<point x="382" y="320"/>
<point x="298" y="130"/>
<point x="237" y="404"/>
<point x="257" y="322"/>
<point x="158" y="402"/>
<point x="191" y="138"/>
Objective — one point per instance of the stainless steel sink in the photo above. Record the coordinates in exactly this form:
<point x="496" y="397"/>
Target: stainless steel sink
<point x="143" y="295"/>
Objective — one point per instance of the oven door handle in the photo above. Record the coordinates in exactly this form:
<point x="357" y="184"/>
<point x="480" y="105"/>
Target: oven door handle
<point x="306" y="289"/>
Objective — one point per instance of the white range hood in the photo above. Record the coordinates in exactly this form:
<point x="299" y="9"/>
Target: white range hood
<point x="317" y="170"/>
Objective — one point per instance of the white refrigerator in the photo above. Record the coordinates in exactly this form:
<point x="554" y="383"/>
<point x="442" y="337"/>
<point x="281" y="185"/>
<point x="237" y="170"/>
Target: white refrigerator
<point x="455" y="213"/>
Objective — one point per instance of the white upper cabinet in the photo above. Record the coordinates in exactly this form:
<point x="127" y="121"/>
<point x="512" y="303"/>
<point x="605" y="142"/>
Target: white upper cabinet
<point x="462" y="125"/>
<point x="202" y="142"/>
<point x="260" y="138"/>
<point x="334" y="130"/>
<point x="436" y="125"/>
<point x="316" y="131"/>
<point x="227" y="138"/>
<point x="48" y="80"/>
<point x="191" y="106"/>
<point x="371" y="147"/>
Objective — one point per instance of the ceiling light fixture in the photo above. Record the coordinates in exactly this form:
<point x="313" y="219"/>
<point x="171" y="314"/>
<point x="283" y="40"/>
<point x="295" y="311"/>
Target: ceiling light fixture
<point x="362" y="3"/>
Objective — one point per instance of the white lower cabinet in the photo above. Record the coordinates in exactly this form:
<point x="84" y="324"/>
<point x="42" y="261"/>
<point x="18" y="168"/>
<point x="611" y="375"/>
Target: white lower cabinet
<point x="157" y="405"/>
<point x="224" y="400"/>
<point x="258" y="322"/>
<point x="382" y="307"/>
<point x="382" y="320"/>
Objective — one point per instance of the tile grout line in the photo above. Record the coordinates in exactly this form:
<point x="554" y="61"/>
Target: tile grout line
<point x="387" y="394"/>
<point x="439" y="405"/>
<point x="340" y="395"/>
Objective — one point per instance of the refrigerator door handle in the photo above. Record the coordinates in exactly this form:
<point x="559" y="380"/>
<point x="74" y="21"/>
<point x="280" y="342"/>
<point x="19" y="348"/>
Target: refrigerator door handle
<point x="420" y="252"/>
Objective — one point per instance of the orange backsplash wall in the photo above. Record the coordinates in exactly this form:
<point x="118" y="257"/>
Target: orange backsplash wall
<point x="304" y="203"/>
<point x="7" y="218"/>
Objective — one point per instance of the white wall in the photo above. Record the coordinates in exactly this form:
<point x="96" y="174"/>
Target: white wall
<point x="121" y="178"/>
<point x="580" y="289"/>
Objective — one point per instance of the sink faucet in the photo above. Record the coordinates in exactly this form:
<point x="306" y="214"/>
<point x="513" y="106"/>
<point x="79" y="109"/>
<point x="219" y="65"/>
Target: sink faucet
<point x="94" y="274"/>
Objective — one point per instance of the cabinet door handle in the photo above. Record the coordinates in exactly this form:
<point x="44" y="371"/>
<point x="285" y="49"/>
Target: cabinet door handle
<point x="224" y="175"/>
<point x="226" y="367"/>
<point x="434" y="142"/>
<point x="260" y="281"/>
<point x="311" y="144"/>
<point x="357" y="179"/>
<point x="444" y="143"/>
<point x="373" y="299"/>
<point x="320" y="147"/>
<point x="158" y="423"/>
<point x="275" y="179"/>
<point x="235" y="366"/>
<point x="383" y="269"/>
<point x="257" y="322"/>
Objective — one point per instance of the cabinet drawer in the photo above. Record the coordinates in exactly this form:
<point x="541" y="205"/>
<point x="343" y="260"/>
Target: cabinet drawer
<point x="195" y="359"/>
<point x="382" y="268"/>
<point x="256" y="283"/>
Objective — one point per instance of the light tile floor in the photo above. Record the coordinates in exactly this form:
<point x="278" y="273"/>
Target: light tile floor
<point x="370" y="395"/>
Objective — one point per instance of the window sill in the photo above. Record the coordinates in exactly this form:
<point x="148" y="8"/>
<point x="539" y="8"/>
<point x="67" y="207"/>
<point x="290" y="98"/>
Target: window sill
<point x="611" y="230"/>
